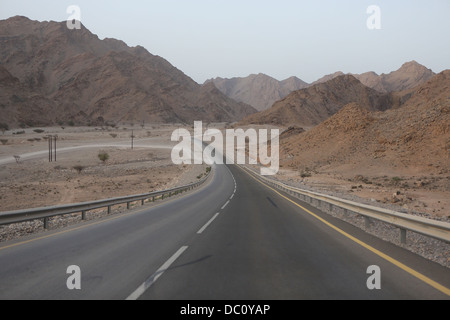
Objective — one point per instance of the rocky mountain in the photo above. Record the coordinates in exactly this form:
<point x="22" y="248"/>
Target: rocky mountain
<point x="262" y="91"/>
<point x="409" y="76"/>
<point x="72" y="75"/>
<point x="313" y="105"/>
<point x="415" y="136"/>
<point x="328" y="77"/>
<point x="18" y="101"/>
<point x="259" y="91"/>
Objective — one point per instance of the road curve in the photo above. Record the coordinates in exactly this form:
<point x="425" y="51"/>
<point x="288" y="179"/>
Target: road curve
<point x="233" y="239"/>
<point x="65" y="149"/>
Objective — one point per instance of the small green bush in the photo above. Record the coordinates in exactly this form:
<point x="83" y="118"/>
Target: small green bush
<point x="305" y="174"/>
<point x="103" y="156"/>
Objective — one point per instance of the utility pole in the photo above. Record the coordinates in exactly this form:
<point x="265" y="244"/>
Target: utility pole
<point x="56" y="137"/>
<point x="52" y="148"/>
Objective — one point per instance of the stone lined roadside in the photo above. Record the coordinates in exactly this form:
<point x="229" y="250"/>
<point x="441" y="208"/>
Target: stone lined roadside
<point x="429" y="248"/>
<point x="20" y="230"/>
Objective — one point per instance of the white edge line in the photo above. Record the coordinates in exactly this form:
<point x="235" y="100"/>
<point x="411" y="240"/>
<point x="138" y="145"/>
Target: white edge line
<point x="208" y="223"/>
<point x="150" y="281"/>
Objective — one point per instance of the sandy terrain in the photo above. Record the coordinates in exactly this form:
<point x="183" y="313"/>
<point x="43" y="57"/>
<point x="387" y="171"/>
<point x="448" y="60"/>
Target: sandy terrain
<point x="427" y="195"/>
<point x="36" y="182"/>
<point x="422" y="190"/>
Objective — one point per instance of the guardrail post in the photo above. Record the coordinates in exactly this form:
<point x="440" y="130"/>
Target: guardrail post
<point x="109" y="209"/>
<point x="330" y="207"/>
<point x="143" y="202"/>
<point x="367" y="222"/>
<point x="403" y="236"/>
<point x="45" y="223"/>
<point x="83" y="215"/>
<point x="128" y="205"/>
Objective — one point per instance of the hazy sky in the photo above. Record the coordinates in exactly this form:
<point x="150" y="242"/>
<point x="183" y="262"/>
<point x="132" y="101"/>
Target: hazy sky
<point x="282" y="38"/>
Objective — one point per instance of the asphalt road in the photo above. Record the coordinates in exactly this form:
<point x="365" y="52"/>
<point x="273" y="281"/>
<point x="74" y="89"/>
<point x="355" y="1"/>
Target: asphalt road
<point x="233" y="239"/>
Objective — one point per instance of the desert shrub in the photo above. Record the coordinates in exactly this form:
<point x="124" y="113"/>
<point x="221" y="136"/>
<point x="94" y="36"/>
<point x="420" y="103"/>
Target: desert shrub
<point x="103" y="156"/>
<point x="4" y="127"/>
<point x="4" y="141"/>
<point x="78" y="168"/>
<point x="113" y="135"/>
<point x="39" y="131"/>
<point x="305" y="174"/>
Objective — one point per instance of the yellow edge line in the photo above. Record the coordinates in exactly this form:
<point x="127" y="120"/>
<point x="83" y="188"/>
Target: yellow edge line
<point x="397" y="263"/>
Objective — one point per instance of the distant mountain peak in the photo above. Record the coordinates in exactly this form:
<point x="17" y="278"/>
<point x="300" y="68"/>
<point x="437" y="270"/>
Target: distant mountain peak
<point x="258" y="90"/>
<point x="415" y="67"/>
<point x="310" y="106"/>
<point x="412" y="63"/>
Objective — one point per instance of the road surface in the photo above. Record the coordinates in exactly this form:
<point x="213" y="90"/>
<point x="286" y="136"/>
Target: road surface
<point x="233" y="239"/>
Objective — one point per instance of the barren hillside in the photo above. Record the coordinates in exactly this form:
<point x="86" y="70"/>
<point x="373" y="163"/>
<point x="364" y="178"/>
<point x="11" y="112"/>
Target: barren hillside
<point x="309" y="107"/>
<point x="405" y="150"/>
<point x="87" y="80"/>
<point x="417" y="134"/>
<point x="259" y="91"/>
<point x="408" y="76"/>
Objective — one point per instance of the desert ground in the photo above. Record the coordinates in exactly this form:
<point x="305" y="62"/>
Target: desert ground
<point x="414" y="193"/>
<point x="408" y="189"/>
<point x="78" y="175"/>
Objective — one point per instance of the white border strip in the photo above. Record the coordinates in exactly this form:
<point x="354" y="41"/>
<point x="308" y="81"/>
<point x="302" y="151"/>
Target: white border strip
<point x="208" y="223"/>
<point x="150" y="281"/>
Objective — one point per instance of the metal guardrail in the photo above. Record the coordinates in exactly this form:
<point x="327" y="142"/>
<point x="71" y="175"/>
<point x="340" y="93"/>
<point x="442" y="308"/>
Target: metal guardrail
<point x="46" y="213"/>
<point x="432" y="228"/>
